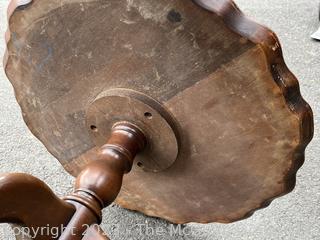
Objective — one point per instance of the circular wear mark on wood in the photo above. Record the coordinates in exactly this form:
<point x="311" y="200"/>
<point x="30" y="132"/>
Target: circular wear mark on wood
<point x="242" y="123"/>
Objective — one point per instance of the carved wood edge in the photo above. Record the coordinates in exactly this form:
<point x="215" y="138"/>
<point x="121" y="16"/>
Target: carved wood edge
<point x="235" y="20"/>
<point x="262" y="36"/>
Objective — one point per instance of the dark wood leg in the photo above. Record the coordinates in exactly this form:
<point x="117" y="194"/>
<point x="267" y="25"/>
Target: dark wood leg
<point x="28" y="201"/>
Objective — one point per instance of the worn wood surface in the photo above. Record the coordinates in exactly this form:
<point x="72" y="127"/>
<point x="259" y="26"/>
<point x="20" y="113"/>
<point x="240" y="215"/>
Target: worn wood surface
<point x="28" y="201"/>
<point x="243" y="125"/>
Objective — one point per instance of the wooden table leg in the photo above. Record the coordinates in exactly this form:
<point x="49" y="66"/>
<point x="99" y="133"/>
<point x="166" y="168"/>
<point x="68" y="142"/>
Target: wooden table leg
<point x="28" y="201"/>
<point x="100" y="182"/>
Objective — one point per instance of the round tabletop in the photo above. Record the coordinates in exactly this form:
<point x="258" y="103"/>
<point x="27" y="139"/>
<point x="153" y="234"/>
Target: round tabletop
<point x="240" y="123"/>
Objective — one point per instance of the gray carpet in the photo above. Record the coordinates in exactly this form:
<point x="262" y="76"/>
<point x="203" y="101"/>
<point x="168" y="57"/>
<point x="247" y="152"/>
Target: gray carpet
<point x="295" y="216"/>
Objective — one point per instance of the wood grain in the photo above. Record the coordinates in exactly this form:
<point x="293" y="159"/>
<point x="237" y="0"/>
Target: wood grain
<point x="243" y="123"/>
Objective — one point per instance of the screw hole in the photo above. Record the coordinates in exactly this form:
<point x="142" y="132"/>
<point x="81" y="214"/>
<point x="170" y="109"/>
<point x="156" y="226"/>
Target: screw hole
<point x="148" y="115"/>
<point x="94" y="128"/>
<point x="140" y="164"/>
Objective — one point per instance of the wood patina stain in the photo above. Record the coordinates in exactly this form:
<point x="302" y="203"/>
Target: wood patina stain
<point x="140" y="50"/>
<point x="243" y="122"/>
<point x="174" y="16"/>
